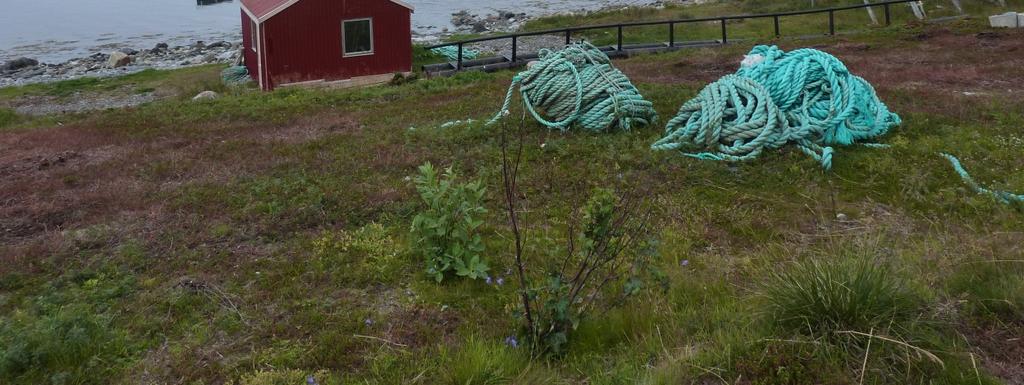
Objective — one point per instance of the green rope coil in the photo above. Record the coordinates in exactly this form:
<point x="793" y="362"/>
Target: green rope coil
<point x="806" y="97"/>
<point x="1004" y="197"/>
<point x="452" y="52"/>
<point x="578" y="85"/>
<point x="235" y="75"/>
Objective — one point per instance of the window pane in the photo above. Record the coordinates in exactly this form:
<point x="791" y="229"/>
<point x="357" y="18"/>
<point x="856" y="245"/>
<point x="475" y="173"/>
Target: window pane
<point x="252" y="34"/>
<point x="357" y="36"/>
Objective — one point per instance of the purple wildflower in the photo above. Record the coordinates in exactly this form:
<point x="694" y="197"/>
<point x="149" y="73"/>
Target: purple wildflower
<point x="684" y="262"/>
<point x="487" y="279"/>
<point x="368" y="322"/>
<point x="310" y="380"/>
<point x="512" y="341"/>
<point x="500" y="281"/>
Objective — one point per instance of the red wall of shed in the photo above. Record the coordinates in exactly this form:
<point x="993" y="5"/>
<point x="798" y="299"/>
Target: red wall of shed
<point x="251" y="60"/>
<point x="303" y="42"/>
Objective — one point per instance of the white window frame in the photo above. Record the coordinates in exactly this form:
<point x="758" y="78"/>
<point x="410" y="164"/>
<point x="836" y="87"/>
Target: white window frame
<point x="254" y="34"/>
<point x="344" y="50"/>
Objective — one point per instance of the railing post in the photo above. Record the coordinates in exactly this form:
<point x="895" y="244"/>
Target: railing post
<point x="620" y="37"/>
<point x="887" y="14"/>
<point x="515" y="44"/>
<point x="831" y="22"/>
<point x="458" y="64"/>
<point x="776" y="17"/>
<point x="568" y="36"/>
<point x="725" y="38"/>
<point x="671" y="34"/>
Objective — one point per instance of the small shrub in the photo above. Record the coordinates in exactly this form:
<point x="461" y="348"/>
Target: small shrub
<point x="446" y="233"/>
<point x="608" y="259"/>
<point x="371" y="247"/>
<point x="608" y="266"/>
<point x="821" y="298"/>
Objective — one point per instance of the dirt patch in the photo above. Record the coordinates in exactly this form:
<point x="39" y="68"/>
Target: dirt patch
<point x="1000" y="350"/>
<point x="37" y="163"/>
<point x="419" y="326"/>
<point x="942" y="61"/>
<point x="309" y="128"/>
<point x="697" y="69"/>
<point x="68" y="177"/>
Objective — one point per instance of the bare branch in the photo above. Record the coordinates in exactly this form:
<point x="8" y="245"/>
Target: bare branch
<point x="509" y="172"/>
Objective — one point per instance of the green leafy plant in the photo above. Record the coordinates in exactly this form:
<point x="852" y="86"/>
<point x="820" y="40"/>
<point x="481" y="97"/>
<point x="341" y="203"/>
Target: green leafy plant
<point x="446" y="232"/>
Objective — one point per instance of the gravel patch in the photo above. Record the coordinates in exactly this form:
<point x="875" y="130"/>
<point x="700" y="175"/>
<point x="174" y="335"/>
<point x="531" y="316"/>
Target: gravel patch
<point x="525" y="45"/>
<point x="46" y="105"/>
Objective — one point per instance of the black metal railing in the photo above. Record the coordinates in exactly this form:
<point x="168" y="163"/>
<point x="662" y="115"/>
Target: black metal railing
<point x="568" y="32"/>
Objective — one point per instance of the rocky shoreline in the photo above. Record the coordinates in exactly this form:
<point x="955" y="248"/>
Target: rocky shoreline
<point x="22" y="71"/>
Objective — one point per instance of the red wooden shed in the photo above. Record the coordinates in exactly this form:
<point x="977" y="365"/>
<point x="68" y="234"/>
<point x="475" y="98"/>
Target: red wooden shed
<point x="344" y="42"/>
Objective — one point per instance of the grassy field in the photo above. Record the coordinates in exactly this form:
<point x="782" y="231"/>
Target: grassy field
<point x="261" y="238"/>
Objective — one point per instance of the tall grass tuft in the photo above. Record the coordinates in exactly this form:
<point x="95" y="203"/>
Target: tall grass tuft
<point x="8" y="117"/>
<point x="480" y="361"/>
<point x="856" y="315"/>
<point x="816" y="299"/>
<point x="990" y="290"/>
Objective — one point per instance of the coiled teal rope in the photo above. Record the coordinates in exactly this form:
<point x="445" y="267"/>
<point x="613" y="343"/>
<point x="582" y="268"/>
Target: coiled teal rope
<point x="235" y="75"/>
<point x="1004" y="197"/>
<point x="806" y="97"/>
<point x="578" y="85"/>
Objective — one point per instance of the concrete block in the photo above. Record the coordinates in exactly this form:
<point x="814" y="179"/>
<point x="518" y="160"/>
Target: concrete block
<point x="1006" y="20"/>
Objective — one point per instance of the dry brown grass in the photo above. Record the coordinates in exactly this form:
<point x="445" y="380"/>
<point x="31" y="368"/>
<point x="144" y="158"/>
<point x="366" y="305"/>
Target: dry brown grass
<point x="76" y="176"/>
<point x="937" y="64"/>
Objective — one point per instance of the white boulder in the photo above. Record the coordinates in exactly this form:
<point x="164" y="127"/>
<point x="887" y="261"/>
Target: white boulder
<point x="118" y="59"/>
<point x="206" y="95"/>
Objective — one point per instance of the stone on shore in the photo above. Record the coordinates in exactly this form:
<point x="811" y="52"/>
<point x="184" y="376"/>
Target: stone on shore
<point x="206" y="95"/>
<point x="118" y="59"/>
<point x="159" y="49"/>
<point x="23" y="71"/>
<point x="18" y="64"/>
